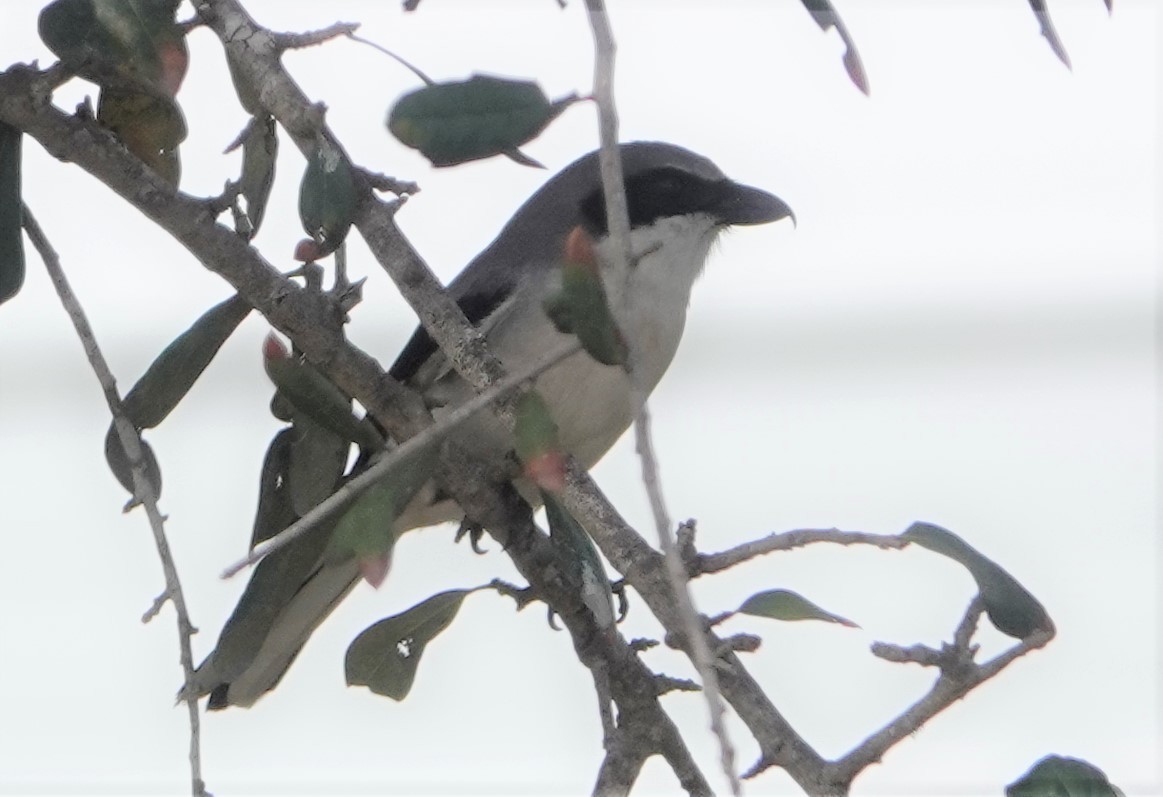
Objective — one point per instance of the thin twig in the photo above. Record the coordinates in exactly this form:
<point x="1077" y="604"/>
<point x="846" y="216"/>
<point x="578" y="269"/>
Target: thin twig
<point x="352" y="489"/>
<point x="618" y="223"/>
<point x="312" y="38"/>
<point x="427" y="81"/>
<point x="959" y="676"/>
<point x="142" y="487"/>
<point x="704" y="563"/>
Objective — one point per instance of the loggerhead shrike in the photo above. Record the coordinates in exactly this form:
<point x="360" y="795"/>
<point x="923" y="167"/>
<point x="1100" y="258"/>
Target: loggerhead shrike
<point x="678" y="203"/>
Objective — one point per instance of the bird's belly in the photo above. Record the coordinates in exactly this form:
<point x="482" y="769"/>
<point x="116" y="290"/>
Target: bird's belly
<point x="591" y="403"/>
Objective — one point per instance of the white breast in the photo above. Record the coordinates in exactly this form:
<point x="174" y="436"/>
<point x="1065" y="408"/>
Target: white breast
<point x="591" y="403"/>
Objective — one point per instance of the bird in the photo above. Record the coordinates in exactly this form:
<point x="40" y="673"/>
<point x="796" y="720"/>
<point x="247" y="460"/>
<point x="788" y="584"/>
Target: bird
<point x="678" y="203"/>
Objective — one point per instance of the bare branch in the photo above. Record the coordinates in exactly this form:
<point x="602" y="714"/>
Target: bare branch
<point x="704" y="563"/>
<point x="298" y="41"/>
<point x="959" y="675"/>
<point x="618" y="222"/>
<point x="142" y="487"/>
<point x="624" y="760"/>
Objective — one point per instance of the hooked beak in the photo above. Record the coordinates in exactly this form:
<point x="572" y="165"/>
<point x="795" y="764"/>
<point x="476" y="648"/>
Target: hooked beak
<point x="743" y="204"/>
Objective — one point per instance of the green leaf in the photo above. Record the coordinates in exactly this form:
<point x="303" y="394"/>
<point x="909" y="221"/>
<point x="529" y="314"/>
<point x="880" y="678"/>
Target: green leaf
<point x="118" y="43"/>
<point x="278" y="576"/>
<point x="151" y="126"/>
<point x="456" y="122"/>
<point x="783" y="604"/>
<point x="366" y="530"/>
<point x="1056" y="776"/>
<point x="580" y="554"/>
<point x="171" y="375"/>
<point x="118" y="461"/>
<point x="316" y="396"/>
<point x="537" y="443"/>
<point x="535" y="430"/>
<point x="824" y="13"/>
<point x="260" y="150"/>
<point x="11" y="214"/>
<point x="327" y="197"/>
<point x="1009" y="605"/>
<point x="581" y="308"/>
<point x="318" y="459"/>
<point x="274" y="511"/>
<point x="384" y="658"/>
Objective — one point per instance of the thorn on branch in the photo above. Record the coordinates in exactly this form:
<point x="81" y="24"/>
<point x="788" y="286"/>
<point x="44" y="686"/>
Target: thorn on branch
<point x="739" y="643"/>
<point x="349" y="295"/>
<point x="914" y="654"/>
<point x="764" y="763"/>
<point x="155" y="608"/>
<point x="684" y="540"/>
<point x="665" y="684"/>
<point x="720" y="618"/>
<point x="523" y="596"/>
<point x="391" y="185"/>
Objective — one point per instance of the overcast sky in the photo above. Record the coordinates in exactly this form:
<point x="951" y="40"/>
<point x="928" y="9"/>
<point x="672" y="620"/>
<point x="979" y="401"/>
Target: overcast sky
<point x="961" y="330"/>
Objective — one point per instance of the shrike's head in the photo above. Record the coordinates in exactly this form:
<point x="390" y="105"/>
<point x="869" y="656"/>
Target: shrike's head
<point x="661" y="181"/>
<point x="678" y="202"/>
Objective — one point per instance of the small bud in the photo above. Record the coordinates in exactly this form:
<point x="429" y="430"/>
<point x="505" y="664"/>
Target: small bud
<point x="273" y="348"/>
<point x="374" y="569"/>
<point x="308" y="251"/>
<point x="579" y="248"/>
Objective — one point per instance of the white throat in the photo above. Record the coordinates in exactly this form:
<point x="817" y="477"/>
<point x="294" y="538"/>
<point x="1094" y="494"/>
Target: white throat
<point x="649" y="300"/>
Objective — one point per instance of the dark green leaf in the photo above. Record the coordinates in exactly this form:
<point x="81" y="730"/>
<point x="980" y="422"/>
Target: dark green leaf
<point x="119" y="463"/>
<point x="366" y="530"/>
<point x="327" y="197"/>
<point x="151" y="126"/>
<point x="534" y="429"/>
<point x="260" y="149"/>
<point x="11" y="215"/>
<point x="316" y="396"/>
<point x="278" y="576"/>
<point x="581" y="307"/>
<point x="1009" y="605"/>
<point x="580" y="554"/>
<point x="274" y="511"/>
<point x="318" y="459"/>
<point x="118" y="43"/>
<point x="783" y="604"/>
<point x="385" y="656"/>
<point x="483" y="116"/>
<point x="171" y="375"/>
<point x="1056" y="776"/>
<point x="826" y="17"/>
<point x="537" y="443"/>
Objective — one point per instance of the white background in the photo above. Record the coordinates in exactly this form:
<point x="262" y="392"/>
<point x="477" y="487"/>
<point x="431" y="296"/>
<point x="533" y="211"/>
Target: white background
<point x="961" y="330"/>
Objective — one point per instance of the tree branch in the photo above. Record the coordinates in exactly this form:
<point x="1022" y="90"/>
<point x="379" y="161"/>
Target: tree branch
<point x="426" y="437"/>
<point x="618" y="223"/>
<point x="704" y="563"/>
<point x="142" y="487"/>
<point x="959" y="675"/>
